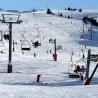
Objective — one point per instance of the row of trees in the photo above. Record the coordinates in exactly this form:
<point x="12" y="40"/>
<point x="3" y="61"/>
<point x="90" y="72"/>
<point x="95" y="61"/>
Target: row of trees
<point x="69" y="9"/>
<point x="60" y="14"/>
<point x="88" y="20"/>
<point x="73" y="9"/>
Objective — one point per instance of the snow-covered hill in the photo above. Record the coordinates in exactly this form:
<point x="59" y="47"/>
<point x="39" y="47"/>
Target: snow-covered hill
<point x="54" y="82"/>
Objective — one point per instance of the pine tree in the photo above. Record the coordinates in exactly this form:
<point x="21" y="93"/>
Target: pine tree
<point x="49" y="11"/>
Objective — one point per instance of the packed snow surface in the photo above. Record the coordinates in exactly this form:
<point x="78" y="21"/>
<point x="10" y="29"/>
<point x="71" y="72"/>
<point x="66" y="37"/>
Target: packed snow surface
<point x="54" y="80"/>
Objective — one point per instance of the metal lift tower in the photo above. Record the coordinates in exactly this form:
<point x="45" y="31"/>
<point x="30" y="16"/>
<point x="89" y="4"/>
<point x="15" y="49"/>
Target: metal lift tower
<point x="10" y="19"/>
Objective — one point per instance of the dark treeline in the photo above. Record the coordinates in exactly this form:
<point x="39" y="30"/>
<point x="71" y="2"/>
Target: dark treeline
<point x="87" y="20"/>
<point x="73" y="9"/>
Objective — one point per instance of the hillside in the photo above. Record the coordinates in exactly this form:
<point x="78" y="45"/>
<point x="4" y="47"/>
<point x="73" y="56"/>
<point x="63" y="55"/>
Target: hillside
<point x="54" y="83"/>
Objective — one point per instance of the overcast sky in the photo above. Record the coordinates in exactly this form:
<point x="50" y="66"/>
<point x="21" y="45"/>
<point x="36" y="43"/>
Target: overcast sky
<point x="53" y="4"/>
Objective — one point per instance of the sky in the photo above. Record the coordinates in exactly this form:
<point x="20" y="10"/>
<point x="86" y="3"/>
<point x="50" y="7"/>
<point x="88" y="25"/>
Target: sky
<point x="43" y="4"/>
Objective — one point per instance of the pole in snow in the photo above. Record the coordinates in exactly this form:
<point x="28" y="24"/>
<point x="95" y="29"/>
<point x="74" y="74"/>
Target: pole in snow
<point x="88" y="65"/>
<point x="83" y="27"/>
<point x="1" y="36"/>
<point x="10" y="22"/>
<point x="91" y="33"/>
<point x="13" y="46"/>
<point x="87" y="81"/>
<point x="55" y="54"/>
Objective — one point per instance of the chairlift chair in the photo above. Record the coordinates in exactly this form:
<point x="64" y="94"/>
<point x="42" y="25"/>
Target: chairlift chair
<point x="25" y="45"/>
<point x="72" y="72"/>
<point x="36" y="41"/>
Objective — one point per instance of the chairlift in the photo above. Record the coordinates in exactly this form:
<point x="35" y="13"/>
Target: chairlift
<point x="36" y="44"/>
<point x="71" y="72"/>
<point x="51" y="40"/>
<point x="25" y="45"/>
<point x="77" y="69"/>
<point x="6" y="35"/>
<point x="36" y="41"/>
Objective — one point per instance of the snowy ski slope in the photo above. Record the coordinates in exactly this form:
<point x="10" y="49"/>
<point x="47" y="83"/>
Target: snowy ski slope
<point x="54" y="82"/>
